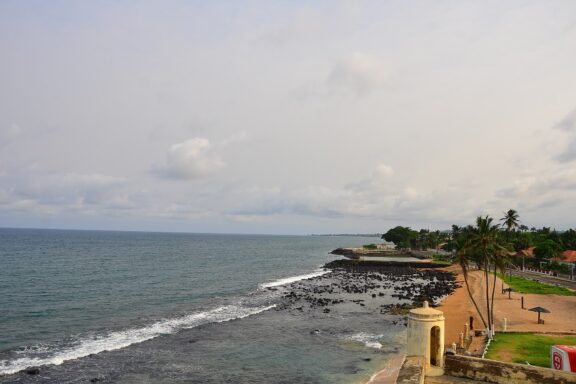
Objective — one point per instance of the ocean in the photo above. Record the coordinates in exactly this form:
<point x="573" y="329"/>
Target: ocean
<point x="134" y="307"/>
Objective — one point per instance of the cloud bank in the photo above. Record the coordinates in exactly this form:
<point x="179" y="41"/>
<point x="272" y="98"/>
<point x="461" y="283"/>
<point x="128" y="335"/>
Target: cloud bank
<point x="284" y="117"/>
<point x="189" y="160"/>
<point x="568" y="125"/>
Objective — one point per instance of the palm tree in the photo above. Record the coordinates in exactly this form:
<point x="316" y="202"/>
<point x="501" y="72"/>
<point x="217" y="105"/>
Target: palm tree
<point x="511" y="220"/>
<point x="489" y="249"/>
<point x="463" y="257"/>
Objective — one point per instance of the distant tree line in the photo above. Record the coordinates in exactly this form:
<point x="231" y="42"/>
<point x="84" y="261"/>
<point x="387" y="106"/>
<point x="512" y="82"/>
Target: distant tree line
<point x="407" y="238"/>
<point x="547" y="243"/>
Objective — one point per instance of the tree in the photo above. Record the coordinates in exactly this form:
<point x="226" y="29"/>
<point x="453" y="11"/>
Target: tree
<point x="485" y="244"/>
<point x="511" y="221"/>
<point x="422" y="240"/>
<point x="569" y="239"/>
<point x="547" y="249"/>
<point x="522" y="240"/>
<point x="464" y="256"/>
<point x="402" y="237"/>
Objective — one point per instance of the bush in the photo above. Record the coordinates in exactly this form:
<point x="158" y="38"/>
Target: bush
<point x="370" y="246"/>
<point x="558" y="267"/>
<point x="437" y="257"/>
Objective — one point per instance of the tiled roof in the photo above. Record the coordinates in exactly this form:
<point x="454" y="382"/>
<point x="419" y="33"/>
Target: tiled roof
<point x="528" y="252"/>
<point x="569" y="256"/>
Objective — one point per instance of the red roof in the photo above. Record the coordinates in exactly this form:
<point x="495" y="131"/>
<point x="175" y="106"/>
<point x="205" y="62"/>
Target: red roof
<point x="569" y="256"/>
<point x="528" y="252"/>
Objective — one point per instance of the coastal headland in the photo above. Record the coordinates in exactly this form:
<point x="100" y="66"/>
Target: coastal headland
<point x="379" y="251"/>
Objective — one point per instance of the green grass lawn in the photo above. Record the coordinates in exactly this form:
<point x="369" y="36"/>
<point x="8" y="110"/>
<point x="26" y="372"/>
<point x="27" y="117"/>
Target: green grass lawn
<point x="441" y="262"/>
<point x="525" y="347"/>
<point x="522" y="285"/>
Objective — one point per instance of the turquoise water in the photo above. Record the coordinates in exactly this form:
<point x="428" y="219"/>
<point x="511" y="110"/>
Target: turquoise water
<point x="156" y="307"/>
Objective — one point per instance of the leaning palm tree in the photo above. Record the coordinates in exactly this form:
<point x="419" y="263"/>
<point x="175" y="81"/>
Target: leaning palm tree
<point x="464" y="257"/>
<point x="489" y="250"/>
<point x="499" y="261"/>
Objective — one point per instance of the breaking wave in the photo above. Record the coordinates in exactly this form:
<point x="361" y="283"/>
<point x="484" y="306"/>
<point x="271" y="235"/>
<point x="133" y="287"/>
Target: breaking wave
<point x="369" y="340"/>
<point x="121" y="339"/>
<point x="292" y="279"/>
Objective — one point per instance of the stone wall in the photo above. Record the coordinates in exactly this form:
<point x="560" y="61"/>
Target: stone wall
<point x="499" y="372"/>
<point x="412" y="371"/>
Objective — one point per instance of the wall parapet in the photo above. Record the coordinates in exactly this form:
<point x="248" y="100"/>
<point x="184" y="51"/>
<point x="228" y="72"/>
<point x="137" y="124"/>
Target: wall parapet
<point x="412" y="370"/>
<point x="500" y="372"/>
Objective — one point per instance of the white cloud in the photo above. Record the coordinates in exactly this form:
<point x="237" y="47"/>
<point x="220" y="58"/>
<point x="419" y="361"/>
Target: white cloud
<point x="543" y="199"/>
<point x="568" y="123"/>
<point x="445" y="96"/>
<point x="35" y="191"/>
<point x="379" y="197"/>
<point x="189" y="160"/>
<point x="569" y="152"/>
<point x="9" y="133"/>
<point x="361" y="72"/>
<point x="568" y="126"/>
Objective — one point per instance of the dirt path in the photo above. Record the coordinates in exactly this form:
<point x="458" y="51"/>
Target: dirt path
<point x="458" y="308"/>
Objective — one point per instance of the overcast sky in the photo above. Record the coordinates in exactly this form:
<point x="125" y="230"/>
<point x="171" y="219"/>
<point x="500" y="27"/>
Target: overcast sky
<point x="286" y="116"/>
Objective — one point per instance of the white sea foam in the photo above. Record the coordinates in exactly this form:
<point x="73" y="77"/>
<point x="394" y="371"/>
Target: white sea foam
<point x="122" y="339"/>
<point x="292" y="279"/>
<point x="368" y="339"/>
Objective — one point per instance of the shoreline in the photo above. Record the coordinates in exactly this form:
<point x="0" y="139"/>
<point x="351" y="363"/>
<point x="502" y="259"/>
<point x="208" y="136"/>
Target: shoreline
<point x="348" y="289"/>
<point x="388" y="371"/>
<point x="451" y="305"/>
<point x="458" y="309"/>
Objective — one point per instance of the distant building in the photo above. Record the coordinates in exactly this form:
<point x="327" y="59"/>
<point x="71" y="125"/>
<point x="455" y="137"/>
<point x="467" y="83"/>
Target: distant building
<point x="528" y="252"/>
<point x="568" y="257"/>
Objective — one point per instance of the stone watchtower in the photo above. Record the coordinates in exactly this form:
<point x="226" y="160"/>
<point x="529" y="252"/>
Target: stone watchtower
<point x="426" y="338"/>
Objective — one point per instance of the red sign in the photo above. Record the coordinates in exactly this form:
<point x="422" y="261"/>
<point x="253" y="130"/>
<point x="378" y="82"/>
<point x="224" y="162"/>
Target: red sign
<point x="557" y="359"/>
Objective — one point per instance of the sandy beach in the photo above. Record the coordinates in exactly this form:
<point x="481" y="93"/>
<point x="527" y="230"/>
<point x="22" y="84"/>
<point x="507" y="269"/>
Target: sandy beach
<point x="458" y="308"/>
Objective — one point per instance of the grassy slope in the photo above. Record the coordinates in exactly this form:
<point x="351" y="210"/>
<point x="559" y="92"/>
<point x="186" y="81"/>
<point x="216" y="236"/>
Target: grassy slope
<point x="525" y="347"/>
<point x="522" y="285"/>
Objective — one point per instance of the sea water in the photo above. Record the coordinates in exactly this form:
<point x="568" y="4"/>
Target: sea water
<point x="133" y="307"/>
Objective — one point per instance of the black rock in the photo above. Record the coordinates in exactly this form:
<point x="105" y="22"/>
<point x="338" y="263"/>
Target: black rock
<point x="32" y="371"/>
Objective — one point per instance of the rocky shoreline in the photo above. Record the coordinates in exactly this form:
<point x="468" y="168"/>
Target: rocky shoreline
<point x="377" y="287"/>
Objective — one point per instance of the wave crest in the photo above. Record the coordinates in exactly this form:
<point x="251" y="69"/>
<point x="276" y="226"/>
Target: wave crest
<point x="122" y="339"/>
<point x="292" y="279"/>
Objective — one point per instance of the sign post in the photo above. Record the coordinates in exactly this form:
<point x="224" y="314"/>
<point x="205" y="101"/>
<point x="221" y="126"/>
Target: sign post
<point x="563" y="357"/>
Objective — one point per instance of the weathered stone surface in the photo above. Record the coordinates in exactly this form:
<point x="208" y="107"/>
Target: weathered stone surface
<point x="373" y="264"/>
<point x="499" y="372"/>
<point x="412" y="371"/>
<point x="345" y="252"/>
<point x="450" y="380"/>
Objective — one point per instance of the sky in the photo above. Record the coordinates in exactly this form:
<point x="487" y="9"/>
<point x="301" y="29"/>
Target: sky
<point x="286" y="117"/>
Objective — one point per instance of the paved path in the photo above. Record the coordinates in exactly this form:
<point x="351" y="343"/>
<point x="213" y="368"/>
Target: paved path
<point x="547" y="279"/>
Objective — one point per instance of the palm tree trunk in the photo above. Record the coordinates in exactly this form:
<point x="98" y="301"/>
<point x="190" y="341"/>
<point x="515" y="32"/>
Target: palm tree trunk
<point x="493" y="289"/>
<point x="486" y="274"/>
<point x="474" y="301"/>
